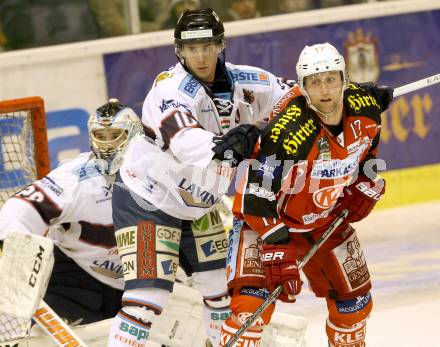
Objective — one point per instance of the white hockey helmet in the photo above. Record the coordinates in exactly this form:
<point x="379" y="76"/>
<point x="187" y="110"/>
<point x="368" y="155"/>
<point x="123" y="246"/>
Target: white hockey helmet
<point x="110" y="131"/>
<point x="319" y="58"/>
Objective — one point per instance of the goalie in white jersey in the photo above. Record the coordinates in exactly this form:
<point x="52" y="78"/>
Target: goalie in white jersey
<point x="199" y="112"/>
<point x="72" y="206"/>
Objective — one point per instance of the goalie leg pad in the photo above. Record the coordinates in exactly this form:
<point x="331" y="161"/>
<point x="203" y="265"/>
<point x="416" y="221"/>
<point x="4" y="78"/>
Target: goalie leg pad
<point x="28" y="259"/>
<point x="181" y="324"/>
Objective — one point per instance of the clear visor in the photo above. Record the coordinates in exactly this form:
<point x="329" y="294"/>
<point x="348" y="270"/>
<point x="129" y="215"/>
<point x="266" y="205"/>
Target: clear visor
<point x="201" y="49"/>
<point x="108" y="140"/>
<point x="321" y="82"/>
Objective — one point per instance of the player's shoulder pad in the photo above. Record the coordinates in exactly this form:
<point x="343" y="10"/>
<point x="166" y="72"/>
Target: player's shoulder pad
<point x="190" y="86"/>
<point x="286" y="99"/>
<point x="67" y="174"/>
<point x="176" y="79"/>
<point x="361" y="103"/>
<point x="168" y="76"/>
<point x="292" y="131"/>
<point x="160" y="78"/>
<point x="245" y="74"/>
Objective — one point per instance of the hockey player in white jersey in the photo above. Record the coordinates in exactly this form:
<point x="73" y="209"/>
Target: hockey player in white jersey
<point x="199" y="112"/>
<point x="72" y="206"/>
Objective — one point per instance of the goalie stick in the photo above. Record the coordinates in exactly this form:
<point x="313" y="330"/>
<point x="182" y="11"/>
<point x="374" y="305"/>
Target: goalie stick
<point x="277" y="291"/>
<point x="55" y="327"/>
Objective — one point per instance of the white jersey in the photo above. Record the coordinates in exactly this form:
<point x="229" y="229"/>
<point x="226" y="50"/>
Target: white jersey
<point x="71" y="205"/>
<point x="178" y="175"/>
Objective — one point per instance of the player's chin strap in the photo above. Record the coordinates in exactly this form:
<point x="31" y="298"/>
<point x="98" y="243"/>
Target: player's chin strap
<point x="25" y="269"/>
<point x="274" y="295"/>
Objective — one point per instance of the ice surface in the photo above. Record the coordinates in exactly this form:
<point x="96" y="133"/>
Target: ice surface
<point x="402" y="248"/>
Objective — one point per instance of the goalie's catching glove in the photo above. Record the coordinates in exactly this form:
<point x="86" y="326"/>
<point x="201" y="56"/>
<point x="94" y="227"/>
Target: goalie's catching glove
<point x="383" y="94"/>
<point x="360" y="198"/>
<point x="237" y="144"/>
<point x="280" y="268"/>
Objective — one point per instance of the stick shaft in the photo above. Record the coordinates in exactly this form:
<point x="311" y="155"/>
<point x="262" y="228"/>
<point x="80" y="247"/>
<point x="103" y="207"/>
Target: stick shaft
<point x="277" y="291"/>
<point x="423" y="83"/>
<point x="55" y="327"/>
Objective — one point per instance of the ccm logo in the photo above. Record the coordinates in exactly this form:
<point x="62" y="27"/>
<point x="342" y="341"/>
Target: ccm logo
<point x="368" y="191"/>
<point x="36" y="268"/>
<point x="273" y="256"/>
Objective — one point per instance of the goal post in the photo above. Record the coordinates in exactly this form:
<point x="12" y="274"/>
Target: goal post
<point x="24" y="158"/>
<point x="24" y="153"/>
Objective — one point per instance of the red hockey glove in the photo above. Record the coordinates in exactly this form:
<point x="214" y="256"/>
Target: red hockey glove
<point x="280" y="267"/>
<point x="360" y="198"/>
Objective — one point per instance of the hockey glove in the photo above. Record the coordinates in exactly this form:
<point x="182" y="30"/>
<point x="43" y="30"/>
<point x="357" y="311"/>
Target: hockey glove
<point x="280" y="268"/>
<point x="383" y="94"/>
<point x="237" y="144"/>
<point x="360" y="198"/>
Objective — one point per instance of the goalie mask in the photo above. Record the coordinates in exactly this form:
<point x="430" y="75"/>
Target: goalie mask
<point x="110" y="131"/>
<point x="317" y="59"/>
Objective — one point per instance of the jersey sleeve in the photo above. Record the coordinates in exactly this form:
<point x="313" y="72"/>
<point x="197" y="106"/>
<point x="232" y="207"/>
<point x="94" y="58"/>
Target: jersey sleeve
<point x="19" y="215"/>
<point x="257" y="200"/>
<point x="39" y="205"/>
<point x="173" y="119"/>
<point x="368" y="166"/>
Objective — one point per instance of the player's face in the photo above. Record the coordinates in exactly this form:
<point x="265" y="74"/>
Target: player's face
<point x="201" y="59"/>
<point x="108" y="139"/>
<point x="324" y="90"/>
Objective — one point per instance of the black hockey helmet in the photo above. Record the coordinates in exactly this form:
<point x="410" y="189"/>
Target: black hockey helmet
<point x="199" y="26"/>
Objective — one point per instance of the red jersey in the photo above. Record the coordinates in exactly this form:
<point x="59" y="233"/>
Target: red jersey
<point x="300" y="168"/>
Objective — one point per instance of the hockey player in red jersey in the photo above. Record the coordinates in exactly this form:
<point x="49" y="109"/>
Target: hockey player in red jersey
<point x="316" y="157"/>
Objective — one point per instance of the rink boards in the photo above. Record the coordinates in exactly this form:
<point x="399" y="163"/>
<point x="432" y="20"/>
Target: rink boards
<point x="75" y="78"/>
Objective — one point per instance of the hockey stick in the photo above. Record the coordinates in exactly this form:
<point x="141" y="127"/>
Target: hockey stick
<point x="277" y="291"/>
<point x="410" y="87"/>
<point x="55" y="327"/>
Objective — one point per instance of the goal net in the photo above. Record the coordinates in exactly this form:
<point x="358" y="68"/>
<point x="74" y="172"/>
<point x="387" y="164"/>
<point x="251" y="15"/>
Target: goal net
<point x="24" y="158"/>
<point x="24" y="151"/>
